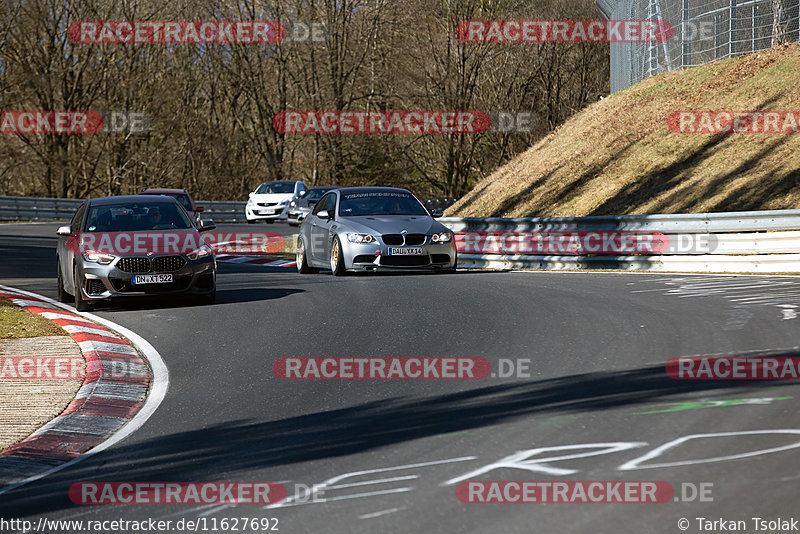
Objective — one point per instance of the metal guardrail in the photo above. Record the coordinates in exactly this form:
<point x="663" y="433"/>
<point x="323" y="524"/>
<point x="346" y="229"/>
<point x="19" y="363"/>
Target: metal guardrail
<point x="745" y="221"/>
<point x="756" y="241"/>
<point x="37" y="209"/>
<point x="62" y="209"/>
<point x="223" y="212"/>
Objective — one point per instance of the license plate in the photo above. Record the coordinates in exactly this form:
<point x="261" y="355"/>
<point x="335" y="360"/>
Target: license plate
<point x="406" y="252"/>
<point x="152" y="278"/>
<point x="266" y="212"/>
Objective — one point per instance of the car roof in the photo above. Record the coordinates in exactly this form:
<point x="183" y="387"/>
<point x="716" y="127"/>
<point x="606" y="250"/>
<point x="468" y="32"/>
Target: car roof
<point x="373" y="190"/>
<point x="104" y="201"/>
<point x="324" y="187"/>
<point x="182" y="191"/>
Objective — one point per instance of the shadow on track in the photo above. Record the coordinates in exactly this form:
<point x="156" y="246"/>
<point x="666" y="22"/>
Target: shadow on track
<point x="224" y="296"/>
<point x="238" y="447"/>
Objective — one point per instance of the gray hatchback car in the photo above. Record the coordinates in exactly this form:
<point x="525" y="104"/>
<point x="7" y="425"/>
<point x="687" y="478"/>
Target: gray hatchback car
<point x="131" y="246"/>
<point x="373" y="229"/>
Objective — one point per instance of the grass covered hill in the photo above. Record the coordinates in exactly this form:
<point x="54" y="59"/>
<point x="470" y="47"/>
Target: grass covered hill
<point x="618" y="156"/>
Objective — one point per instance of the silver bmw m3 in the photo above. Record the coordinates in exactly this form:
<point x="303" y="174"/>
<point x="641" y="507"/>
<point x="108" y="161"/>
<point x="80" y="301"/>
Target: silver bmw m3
<point x="373" y="229"/>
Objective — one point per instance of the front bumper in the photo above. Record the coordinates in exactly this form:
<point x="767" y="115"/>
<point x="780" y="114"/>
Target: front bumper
<point x="254" y="213"/>
<point x="297" y="214"/>
<point x="195" y="277"/>
<point x="376" y="257"/>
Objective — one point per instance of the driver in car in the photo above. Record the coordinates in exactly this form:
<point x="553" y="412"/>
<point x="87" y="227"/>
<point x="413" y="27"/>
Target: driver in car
<point x="155" y="216"/>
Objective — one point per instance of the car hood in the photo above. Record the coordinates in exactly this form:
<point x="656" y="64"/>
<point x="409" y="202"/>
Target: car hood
<point x="395" y="224"/>
<point x="272" y="197"/>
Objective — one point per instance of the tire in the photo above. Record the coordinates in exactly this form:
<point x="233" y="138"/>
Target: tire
<point x="302" y="262"/>
<point x="80" y="303"/>
<point x="63" y="296"/>
<point x="337" y="262"/>
<point x="251" y="221"/>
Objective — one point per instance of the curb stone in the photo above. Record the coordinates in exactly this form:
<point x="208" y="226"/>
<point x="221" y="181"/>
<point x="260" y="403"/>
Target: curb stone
<point x="103" y="405"/>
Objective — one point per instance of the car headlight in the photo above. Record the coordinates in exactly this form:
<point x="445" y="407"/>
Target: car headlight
<point x="98" y="257"/>
<point x="444" y="237"/>
<point x="293" y="203"/>
<point x="201" y="252"/>
<point x="361" y="238"/>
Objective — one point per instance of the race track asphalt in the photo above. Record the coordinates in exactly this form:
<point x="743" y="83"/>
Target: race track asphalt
<point x="597" y="344"/>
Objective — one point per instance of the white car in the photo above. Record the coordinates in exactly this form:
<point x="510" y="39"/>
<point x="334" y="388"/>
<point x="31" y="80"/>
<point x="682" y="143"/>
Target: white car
<point x="270" y="202"/>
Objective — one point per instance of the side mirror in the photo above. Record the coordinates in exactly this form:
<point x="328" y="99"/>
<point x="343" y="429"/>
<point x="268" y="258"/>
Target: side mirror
<point x="251" y="194"/>
<point x="324" y="214"/>
<point x="301" y="194"/>
<point x="206" y="225"/>
<point x="436" y="213"/>
<point x="198" y="209"/>
<point x="64" y="231"/>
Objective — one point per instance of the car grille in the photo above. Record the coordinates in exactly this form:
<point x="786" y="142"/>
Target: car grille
<point x="134" y="265"/>
<point x="404" y="261"/>
<point x="397" y="239"/>
<point x="95" y="287"/>
<point x="162" y="264"/>
<point x="168" y="264"/>
<point x="267" y="204"/>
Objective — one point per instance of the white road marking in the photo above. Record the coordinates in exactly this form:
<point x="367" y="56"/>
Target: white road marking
<point x="380" y="513"/>
<point x="658" y="451"/>
<point x="289" y="501"/>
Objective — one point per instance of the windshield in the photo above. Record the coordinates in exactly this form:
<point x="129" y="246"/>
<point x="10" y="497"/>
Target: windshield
<point x="316" y="194"/>
<point x="275" y="187"/>
<point x="137" y="216"/>
<point x="380" y="203"/>
<point x="180" y="197"/>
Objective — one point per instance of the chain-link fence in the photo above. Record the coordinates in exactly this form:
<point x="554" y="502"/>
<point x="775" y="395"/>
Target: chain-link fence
<point x="705" y="30"/>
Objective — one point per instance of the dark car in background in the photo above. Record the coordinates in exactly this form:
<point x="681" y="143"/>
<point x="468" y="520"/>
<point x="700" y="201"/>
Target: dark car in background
<point x="303" y="203"/>
<point x="182" y="196"/>
<point x="130" y="246"/>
